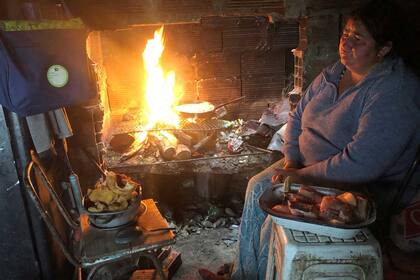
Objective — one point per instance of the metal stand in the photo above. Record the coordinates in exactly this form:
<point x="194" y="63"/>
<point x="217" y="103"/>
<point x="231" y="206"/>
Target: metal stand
<point x="90" y="247"/>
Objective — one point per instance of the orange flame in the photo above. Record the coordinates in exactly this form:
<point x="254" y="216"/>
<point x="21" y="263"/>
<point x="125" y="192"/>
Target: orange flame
<point x="160" y="86"/>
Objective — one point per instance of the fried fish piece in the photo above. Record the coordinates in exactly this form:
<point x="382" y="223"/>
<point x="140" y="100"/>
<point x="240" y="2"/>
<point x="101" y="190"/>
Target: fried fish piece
<point x="333" y="208"/>
<point x="303" y="209"/>
<point x="102" y="195"/>
<point x="348" y="198"/>
<point x="110" y="195"/>
<point x="111" y="179"/>
<point x="310" y="193"/>
<point x="281" y="208"/>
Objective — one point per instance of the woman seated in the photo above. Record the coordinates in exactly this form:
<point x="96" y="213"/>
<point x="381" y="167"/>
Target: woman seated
<point x="357" y="123"/>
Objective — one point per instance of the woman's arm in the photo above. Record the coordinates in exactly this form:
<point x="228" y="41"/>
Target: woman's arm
<point x="293" y="128"/>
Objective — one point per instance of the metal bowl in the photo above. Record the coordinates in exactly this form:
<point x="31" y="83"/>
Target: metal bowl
<point x="115" y="219"/>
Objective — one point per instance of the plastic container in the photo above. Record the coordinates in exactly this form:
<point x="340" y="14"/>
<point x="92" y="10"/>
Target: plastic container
<point x="302" y="255"/>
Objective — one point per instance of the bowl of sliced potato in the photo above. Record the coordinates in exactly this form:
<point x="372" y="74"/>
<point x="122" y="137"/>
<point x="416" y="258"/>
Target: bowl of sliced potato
<point x="114" y="201"/>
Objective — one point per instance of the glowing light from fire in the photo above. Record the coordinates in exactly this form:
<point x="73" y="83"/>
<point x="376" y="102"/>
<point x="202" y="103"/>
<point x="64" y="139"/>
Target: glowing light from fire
<point x="160" y="86"/>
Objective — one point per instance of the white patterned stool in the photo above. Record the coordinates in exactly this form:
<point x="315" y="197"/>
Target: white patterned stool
<point x="303" y="255"/>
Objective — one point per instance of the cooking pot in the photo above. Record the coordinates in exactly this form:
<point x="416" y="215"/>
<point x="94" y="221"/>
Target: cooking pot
<point x="202" y="109"/>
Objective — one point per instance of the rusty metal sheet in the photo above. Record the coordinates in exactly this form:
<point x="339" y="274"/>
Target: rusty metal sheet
<point x="100" y="246"/>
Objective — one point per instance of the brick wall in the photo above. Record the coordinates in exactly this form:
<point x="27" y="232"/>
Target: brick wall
<point x="223" y="57"/>
<point x="218" y="59"/>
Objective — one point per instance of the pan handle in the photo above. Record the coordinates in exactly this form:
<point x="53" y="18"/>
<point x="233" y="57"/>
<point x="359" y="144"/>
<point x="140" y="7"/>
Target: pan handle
<point x="230" y="101"/>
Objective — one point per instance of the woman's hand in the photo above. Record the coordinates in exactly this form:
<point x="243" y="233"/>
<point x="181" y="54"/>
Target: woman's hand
<point x="290" y="166"/>
<point x="297" y="176"/>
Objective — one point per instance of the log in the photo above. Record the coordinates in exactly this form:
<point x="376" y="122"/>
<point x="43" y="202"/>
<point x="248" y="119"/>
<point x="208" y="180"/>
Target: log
<point x="196" y="135"/>
<point x="166" y="143"/>
<point x="139" y="145"/>
<point x="131" y="153"/>
<point x="122" y="142"/>
<point x="182" y="152"/>
<point x="203" y="142"/>
<point x="183" y="138"/>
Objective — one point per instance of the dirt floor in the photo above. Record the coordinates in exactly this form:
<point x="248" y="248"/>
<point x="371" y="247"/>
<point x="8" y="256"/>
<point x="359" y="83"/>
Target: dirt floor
<point x="207" y="234"/>
<point x="209" y="249"/>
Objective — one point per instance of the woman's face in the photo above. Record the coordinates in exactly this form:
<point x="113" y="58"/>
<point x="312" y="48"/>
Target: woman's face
<point x="357" y="48"/>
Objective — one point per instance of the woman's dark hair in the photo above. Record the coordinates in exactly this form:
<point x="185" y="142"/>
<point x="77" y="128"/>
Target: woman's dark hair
<point x="395" y="21"/>
<point x="381" y="19"/>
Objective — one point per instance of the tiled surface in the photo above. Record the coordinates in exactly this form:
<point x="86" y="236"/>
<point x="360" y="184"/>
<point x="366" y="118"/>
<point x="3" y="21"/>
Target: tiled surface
<point x="307" y="237"/>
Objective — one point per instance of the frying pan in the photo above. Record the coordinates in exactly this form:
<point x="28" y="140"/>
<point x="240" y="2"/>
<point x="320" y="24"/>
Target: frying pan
<point x="202" y="109"/>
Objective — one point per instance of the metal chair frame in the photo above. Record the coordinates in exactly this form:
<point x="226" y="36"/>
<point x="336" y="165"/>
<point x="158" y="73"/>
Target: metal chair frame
<point x="35" y="170"/>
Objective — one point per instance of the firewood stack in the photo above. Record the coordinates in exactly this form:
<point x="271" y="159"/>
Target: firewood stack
<point x="179" y="145"/>
<point x="169" y="144"/>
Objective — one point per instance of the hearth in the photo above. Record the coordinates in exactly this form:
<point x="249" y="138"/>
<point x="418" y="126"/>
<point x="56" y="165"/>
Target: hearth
<point x="215" y="61"/>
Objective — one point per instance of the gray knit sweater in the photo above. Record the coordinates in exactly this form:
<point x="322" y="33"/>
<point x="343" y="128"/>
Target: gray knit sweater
<point x="369" y="132"/>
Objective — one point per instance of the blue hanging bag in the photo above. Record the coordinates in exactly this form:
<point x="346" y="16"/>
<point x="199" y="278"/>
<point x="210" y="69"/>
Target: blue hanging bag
<point x="43" y="69"/>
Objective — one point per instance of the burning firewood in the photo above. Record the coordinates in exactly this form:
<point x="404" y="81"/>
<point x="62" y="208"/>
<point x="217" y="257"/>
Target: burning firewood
<point x="167" y="143"/>
<point x="183" y="138"/>
<point x="121" y="142"/>
<point x="182" y="152"/>
<point x="204" y="142"/>
<point x="193" y="131"/>
<point x="140" y="144"/>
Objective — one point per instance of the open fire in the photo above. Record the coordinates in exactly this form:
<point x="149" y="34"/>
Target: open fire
<point x="157" y="121"/>
<point x="162" y="129"/>
<point x="159" y="86"/>
<point x="159" y="92"/>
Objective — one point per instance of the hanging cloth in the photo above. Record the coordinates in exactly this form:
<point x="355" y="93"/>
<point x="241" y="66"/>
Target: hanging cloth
<point x="44" y="66"/>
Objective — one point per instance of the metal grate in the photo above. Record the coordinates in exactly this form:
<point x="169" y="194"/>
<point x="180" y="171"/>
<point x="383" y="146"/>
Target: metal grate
<point x="203" y="124"/>
<point x="254" y="4"/>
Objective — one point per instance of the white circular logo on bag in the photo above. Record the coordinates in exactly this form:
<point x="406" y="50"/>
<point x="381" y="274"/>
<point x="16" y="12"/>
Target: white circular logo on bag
<point x="57" y="76"/>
